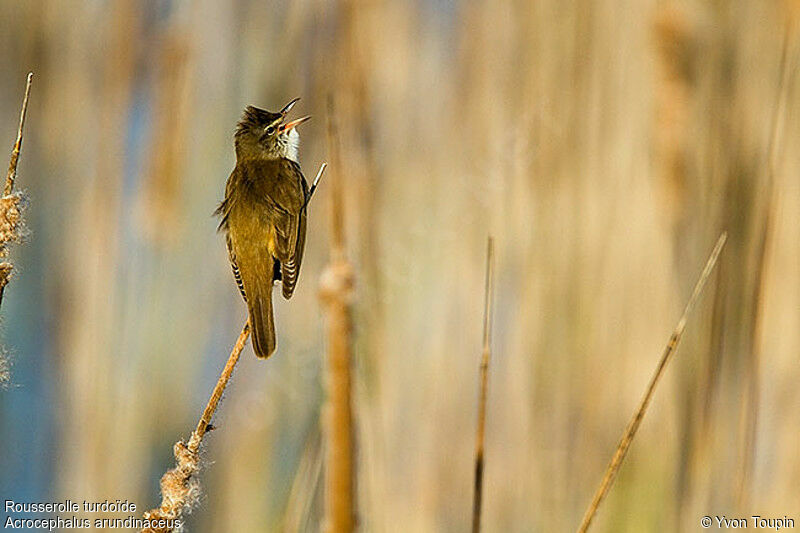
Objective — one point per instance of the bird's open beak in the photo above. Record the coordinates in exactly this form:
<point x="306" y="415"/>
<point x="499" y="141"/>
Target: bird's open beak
<point x="289" y="106"/>
<point x="293" y="124"/>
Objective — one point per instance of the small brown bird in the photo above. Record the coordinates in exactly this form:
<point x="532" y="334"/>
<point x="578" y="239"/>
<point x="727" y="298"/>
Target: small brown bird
<point x="264" y="215"/>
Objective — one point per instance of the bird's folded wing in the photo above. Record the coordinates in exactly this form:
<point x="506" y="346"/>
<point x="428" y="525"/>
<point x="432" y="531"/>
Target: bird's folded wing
<point x="291" y="269"/>
<point x="284" y="196"/>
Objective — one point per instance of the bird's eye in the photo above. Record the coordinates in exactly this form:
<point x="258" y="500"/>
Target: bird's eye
<point x="270" y="130"/>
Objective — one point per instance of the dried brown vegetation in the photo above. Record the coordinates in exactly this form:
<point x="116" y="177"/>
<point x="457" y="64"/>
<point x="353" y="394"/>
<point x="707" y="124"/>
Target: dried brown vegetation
<point x="180" y="488"/>
<point x="11" y="203"/>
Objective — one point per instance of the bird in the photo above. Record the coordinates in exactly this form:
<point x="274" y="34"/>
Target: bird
<point x="263" y="215"/>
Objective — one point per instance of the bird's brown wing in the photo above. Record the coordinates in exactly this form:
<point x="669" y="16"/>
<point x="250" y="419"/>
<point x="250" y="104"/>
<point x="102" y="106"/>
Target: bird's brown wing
<point x="290" y="270"/>
<point x="286" y="196"/>
<point x="223" y="211"/>
<point x="235" y="267"/>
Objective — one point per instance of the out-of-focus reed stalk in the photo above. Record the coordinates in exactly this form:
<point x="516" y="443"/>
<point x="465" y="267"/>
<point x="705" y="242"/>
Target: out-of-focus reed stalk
<point x="336" y="294"/>
<point x="673" y="92"/>
<point x="160" y="197"/>
<point x="633" y="425"/>
<point x="753" y="375"/>
<point x="484" y="386"/>
<point x="10" y="203"/>
<point x="304" y="487"/>
<point x="179" y="487"/>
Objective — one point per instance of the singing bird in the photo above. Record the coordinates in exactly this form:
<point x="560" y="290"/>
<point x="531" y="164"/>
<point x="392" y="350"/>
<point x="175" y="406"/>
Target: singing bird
<point x="264" y="215"/>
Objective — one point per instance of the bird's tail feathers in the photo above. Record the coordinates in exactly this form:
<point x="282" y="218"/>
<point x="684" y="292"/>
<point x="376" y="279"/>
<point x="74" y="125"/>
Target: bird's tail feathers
<point x="262" y="321"/>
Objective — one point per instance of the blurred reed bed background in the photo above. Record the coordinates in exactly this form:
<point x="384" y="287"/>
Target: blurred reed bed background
<point x="605" y="145"/>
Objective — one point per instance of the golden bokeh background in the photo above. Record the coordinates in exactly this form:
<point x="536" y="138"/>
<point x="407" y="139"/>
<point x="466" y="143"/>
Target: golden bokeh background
<point x="605" y="144"/>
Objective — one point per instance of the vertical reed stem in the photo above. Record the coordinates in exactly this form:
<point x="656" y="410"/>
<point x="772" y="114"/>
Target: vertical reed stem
<point x="484" y="385"/>
<point x="336" y="294"/>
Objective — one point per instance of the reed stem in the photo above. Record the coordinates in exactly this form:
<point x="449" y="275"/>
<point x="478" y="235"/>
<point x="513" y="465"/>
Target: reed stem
<point x="484" y="386"/>
<point x="630" y="431"/>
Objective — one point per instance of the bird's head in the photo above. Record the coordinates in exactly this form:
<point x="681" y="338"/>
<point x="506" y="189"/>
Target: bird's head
<point x="263" y="134"/>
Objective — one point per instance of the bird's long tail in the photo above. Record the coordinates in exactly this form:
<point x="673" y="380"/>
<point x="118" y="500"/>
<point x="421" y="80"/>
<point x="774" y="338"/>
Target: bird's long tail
<point x="259" y="305"/>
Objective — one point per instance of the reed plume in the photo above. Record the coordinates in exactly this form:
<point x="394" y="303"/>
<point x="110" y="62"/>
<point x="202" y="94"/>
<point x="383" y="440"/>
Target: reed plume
<point x="11" y="203"/>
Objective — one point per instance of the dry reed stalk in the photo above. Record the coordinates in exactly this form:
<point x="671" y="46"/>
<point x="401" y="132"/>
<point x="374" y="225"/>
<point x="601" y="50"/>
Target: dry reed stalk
<point x="753" y="375"/>
<point x="336" y="294"/>
<point x="10" y="203"/>
<point x="12" y="166"/>
<point x="633" y="425"/>
<point x="484" y="386"/>
<point x="179" y="488"/>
